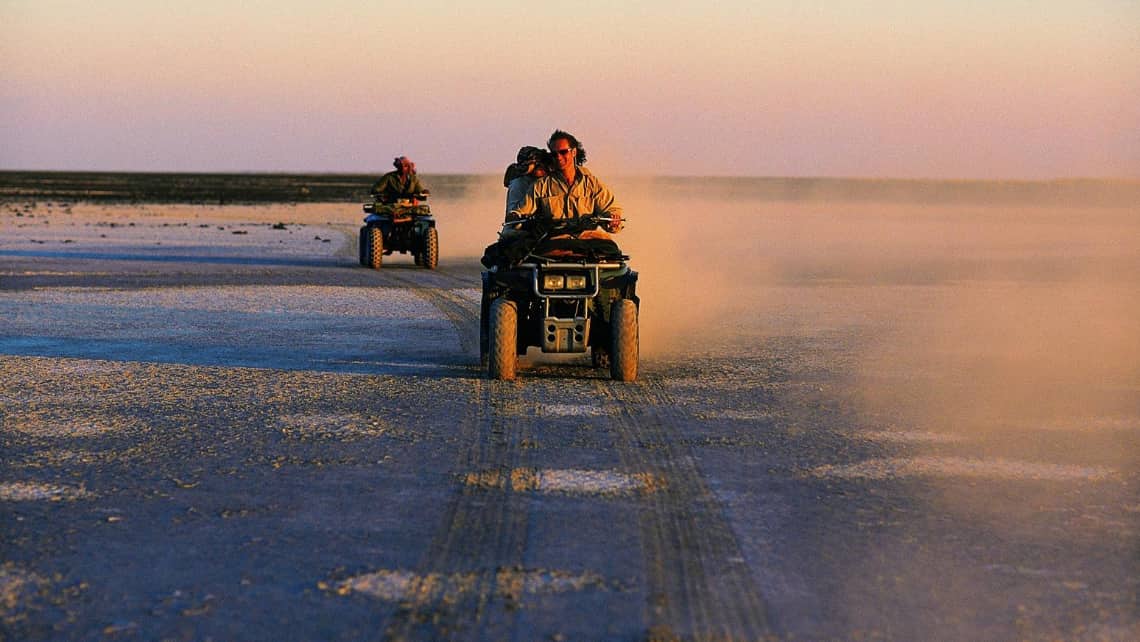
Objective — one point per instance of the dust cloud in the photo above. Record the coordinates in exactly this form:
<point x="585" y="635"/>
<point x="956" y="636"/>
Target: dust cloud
<point x="1004" y="329"/>
<point x="681" y="253"/>
<point x="470" y="220"/>
<point x="717" y="256"/>
<point x="989" y="353"/>
<point x="1020" y="328"/>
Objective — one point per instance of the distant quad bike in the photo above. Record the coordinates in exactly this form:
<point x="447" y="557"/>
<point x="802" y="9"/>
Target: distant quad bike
<point x="404" y="226"/>
<point x="561" y="293"/>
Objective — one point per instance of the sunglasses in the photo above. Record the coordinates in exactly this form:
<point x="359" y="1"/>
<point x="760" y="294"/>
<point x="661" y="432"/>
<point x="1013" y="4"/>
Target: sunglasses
<point x="563" y="152"/>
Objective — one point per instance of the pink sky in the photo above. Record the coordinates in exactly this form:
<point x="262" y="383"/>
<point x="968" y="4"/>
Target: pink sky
<point x="946" y="89"/>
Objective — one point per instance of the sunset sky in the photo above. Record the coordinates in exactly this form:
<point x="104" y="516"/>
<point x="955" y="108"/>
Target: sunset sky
<point x="1006" y="89"/>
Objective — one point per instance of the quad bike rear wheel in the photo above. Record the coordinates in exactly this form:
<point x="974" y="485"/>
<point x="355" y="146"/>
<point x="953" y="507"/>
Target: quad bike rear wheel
<point x="431" y="249"/>
<point x="364" y="240"/>
<point x="624" y="342"/>
<point x="502" y="348"/>
<point x="375" y="247"/>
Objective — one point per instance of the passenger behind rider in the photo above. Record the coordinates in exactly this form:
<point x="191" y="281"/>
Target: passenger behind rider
<point x="402" y="183"/>
<point x="531" y="163"/>
<point x="570" y="190"/>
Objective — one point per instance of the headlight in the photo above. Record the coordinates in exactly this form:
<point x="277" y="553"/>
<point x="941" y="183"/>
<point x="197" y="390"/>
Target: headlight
<point x="577" y="282"/>
<point x="553" y="281"/>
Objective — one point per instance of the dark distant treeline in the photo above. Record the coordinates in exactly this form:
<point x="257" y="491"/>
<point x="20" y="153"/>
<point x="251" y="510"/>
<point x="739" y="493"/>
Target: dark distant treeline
<point x="142" y="187"/>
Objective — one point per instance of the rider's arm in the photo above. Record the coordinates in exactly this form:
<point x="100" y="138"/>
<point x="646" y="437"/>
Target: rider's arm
<point x="605" y="204"/>
<point x="417" y="187"/>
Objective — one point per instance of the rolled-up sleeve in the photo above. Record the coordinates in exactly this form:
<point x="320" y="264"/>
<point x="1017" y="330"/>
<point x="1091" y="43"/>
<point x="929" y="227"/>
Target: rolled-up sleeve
<point x="605" y="204"/>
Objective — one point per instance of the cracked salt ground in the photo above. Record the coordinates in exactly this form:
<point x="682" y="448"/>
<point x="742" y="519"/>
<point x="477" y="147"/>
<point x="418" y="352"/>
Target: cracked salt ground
<point x="384" y="303"/>
<point x="344" y="427"/>
<point x="45" y="423"/>
<point x="510" y="583"/>
<point x="255" y="326"/>
<point x="962" y="467"/>
<point x="571" y="410"/>
<point x="201" y="229"/>
<point x="243" y="487"/>
<point x="568" y="481"/>
<point x="18" y="590"/>
<point x="737" y="415"/>
<point x="561" y="410"/>
<point x="33" y="491"/>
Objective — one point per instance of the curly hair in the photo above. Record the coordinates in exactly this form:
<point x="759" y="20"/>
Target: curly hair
<point x="580" y="157"/>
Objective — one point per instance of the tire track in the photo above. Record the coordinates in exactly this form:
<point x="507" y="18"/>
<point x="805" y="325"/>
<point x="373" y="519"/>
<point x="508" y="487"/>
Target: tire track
<point x="482" y="536"/>
<point x="461" y="312"/>
<point x="484" y="530"/>
<point x="699" y="586"/>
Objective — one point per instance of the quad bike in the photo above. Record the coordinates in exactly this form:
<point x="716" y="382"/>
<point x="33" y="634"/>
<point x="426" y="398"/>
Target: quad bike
<point x="561" y="293"/>
<point x="404" y="226"/>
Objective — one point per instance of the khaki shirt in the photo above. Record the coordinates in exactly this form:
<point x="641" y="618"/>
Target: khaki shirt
<point x="390" y="187"/>
<point x="550" y="195"/>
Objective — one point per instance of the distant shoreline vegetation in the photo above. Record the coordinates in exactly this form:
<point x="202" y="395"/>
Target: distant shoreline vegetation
<point x="249" y="188"/>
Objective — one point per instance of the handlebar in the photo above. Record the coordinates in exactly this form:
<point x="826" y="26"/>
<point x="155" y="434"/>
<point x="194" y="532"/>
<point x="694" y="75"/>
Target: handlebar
<point x="577" y="223"/>
<point x="387" y="199"/>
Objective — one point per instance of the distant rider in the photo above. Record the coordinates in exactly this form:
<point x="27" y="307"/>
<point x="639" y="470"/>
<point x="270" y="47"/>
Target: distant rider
<point x="403" y="183"/>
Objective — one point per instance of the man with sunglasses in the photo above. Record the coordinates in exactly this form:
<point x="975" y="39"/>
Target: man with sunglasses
<point x="570" y="190"/>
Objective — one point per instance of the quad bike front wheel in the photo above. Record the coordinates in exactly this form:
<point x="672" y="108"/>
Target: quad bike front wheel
<point x="502" y="340"/>
<point x="365" y="238"/>
<point x="375" y="247"/>
<point x="431" y="249"/>
<point x="623" y="340"/>
<point x="484" y="327"/>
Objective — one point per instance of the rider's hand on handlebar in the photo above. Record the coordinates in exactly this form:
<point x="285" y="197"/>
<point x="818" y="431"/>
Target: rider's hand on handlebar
<point x="614" y="225"/>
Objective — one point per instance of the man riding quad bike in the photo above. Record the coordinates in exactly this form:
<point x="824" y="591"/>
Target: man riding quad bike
<point x="397" y="220"/>
<point x="552" y="286"/>
<point x="403" y="226"/>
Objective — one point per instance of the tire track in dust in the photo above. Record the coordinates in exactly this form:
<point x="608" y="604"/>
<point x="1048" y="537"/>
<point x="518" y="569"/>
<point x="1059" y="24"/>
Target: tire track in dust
<point x="462" y="313"/>
<point x="468" y="583"/>
<point x="699" y="585"/>
<point x="484" y="529"/>
<point x="483" y="534"/>
<point x="432" y="286"/>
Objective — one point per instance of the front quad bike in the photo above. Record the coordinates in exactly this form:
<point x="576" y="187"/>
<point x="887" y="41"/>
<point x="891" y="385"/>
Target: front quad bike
<point x="404" y="226"/>
<point x="550" y="289"/>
